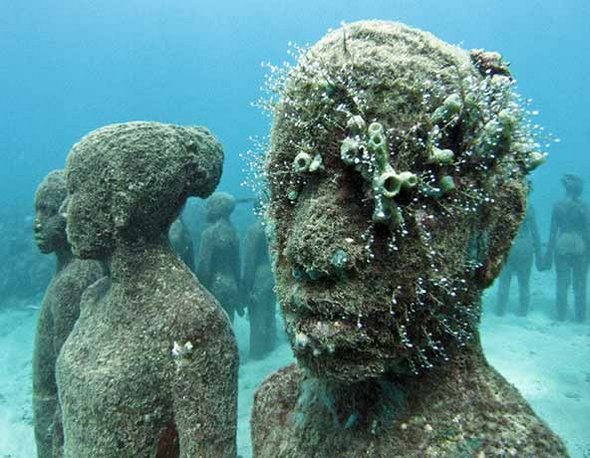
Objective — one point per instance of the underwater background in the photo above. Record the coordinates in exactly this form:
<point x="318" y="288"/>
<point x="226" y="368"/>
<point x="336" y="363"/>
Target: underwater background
<point x="69" y="67"/>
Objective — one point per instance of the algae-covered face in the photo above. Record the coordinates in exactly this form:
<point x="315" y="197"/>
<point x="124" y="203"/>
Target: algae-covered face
<point x="396" y="188"/>
<point x="88" y="212"/>
<point x="49" y="227"/>
<point x="572" y="184"/>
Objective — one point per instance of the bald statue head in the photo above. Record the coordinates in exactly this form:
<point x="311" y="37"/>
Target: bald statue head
<point x="397" y="172"/>
<point x="128" y="182"/>
<point x="49" y="226"/>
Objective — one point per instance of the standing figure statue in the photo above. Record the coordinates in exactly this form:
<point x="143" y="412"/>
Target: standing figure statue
<point x="397" y="174"/>
<point x="59" y="310"/>
<point x="218" y="262"/>
<point x="525" y="248"/>
<point x="258" y="290"/>
<point x="150" y="370"/>
<point x="569" y="247"/>
<point x="182" y="242"/>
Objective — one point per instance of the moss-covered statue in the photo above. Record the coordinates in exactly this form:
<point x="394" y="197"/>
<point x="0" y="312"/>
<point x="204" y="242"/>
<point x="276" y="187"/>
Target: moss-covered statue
<point x="59" y="310"/>
<point x="397" y="170"/>
<point x="569" y="247"/>
<point x="218" y="261"/>
<point x="258" y="291"/>
<point x="150" y="370"/>
<point x="525" y="248"/>
<point x="182" y="243"/>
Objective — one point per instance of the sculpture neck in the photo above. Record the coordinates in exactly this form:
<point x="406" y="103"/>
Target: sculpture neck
<point x="374" y="404"/>
<point x="133" y="262"/>
<point x="63" y="257"/>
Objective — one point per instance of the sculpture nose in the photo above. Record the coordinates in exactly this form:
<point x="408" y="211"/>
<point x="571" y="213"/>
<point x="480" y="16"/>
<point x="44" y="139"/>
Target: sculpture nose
<point x="37" y="226"/>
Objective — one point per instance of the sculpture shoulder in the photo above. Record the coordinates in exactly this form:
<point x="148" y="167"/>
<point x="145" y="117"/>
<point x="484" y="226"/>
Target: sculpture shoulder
<point x="79" y="275"/>
<point x="273" y="410"/>
<point x="485" y="413"/>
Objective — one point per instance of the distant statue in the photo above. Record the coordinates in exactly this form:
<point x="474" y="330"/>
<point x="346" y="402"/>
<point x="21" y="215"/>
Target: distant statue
<point x="59" y="310"/>
<point x="150" y="370"/>
<point x="569" y="247"/>
<point x="218" y="264"/>
<point x="525" y="248"/>
<point x="182" y="243"/>
<point x="258" y="292"/>
<point x="397" y="177"/>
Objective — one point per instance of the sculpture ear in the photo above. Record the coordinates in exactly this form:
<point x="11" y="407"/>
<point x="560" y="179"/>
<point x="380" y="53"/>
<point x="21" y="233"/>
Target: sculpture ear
<point x="120" y="210"/>
<point x="500" y="223"/>
<point x="63" y="208"/>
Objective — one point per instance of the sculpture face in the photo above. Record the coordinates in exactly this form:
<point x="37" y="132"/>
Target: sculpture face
<point x="49" y="227"/>
<point x="219" y="206"/>
<point x="89" y="220"/>
<point x="573" y="184"/>
<point x="387" y="224"/>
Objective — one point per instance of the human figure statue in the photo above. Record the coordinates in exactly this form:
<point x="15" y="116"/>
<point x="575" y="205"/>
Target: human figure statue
<point x="182" y="243"/>
<point x="569" y="247"/>
<point x="397" y="174"/>
<point x="150" y="370"/>
<point x="59" y="310"/>
<point x="525" y="248"/>
<point x="258" y="291"/>
<point x="218" y="261"/>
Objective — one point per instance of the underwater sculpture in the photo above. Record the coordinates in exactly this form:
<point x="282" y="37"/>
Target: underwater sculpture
<point x="150" y="370"/>
<point x="218" y="261"/>
<point x="525" y="248"/>
<point x="569" y="247"/>
<point x="182" y="243"/>
<point x="258" y="290"/>
<point x="59" y="310"/>
<point x="396" y="170"/>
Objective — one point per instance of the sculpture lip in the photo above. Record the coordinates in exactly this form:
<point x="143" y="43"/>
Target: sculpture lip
<point x="319" y="333"/>
<point x="41" y="242"/>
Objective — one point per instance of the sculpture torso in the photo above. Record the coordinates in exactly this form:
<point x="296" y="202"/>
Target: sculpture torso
<point x="571" y="216"/>
<point x="119" y="360"/>
<point x="59" y="312"/>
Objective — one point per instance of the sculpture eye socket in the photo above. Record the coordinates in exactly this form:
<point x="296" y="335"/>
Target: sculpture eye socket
<point x="46" y="210"/>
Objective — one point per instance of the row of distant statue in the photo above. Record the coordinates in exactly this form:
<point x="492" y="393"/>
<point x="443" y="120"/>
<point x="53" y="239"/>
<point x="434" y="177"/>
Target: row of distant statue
<point x="568" y="250"/>
<point x="397" y="182"/>
<point x="218" y="267"/>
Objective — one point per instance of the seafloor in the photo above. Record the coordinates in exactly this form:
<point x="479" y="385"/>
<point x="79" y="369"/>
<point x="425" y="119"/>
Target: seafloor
<point x="547" y="361"/>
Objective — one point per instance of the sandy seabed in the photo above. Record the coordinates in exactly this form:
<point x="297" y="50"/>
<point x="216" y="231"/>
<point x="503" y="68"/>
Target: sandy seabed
<point x="548" y="362"/>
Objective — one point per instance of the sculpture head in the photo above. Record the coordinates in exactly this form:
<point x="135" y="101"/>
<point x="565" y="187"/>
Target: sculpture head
<point x="128" y="182"/>
<point x="219" y="206"/>
<point x="397" y="175"/>
<point x="49" y="226"/>
<point x="573" y="184"/>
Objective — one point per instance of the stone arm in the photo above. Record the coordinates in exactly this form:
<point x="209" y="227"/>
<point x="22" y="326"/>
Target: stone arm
<point x="553" y="232"/>
<point x="236" y="260"/>
<point x="534" y="230"/>
<point x="236" y="264"/>
<point x="205" y="397"/>
<point x="44" y="385"/>
<point x="205" y="258"/>
<point x="67" y="309"/>
<point x="251" y="249"/>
